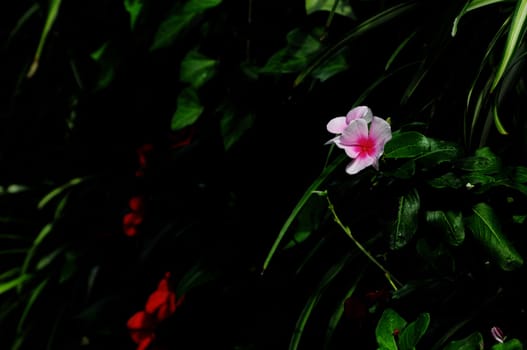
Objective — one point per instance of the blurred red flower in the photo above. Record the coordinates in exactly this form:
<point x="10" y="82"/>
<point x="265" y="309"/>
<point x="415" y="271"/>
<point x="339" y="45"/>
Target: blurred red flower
<point x="161" y="304"/>
<point x="134" y="218"/>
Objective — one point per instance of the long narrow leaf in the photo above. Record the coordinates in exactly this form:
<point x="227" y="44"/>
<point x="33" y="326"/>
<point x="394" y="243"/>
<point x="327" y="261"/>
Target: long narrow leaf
<point x="313" y="300"/>
<point x="470" y="6"/>
<point x="371" y="23"/>
<point x="314" y="186"/>
<point x="516" y="31"/>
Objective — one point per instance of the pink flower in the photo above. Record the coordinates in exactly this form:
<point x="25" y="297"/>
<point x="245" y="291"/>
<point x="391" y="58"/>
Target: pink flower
<point x="497" y="334"/>
<point x="339" y="124"/>
<point x="362" y="143"/>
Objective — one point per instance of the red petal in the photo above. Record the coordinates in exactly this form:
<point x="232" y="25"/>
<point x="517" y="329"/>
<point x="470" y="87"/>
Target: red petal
<point x="136" y="203"/>
<point x="156" y="300"/>
<point x="141" y="326"/>
<point x="145" y="343"/>
<point x="142" y="153"/>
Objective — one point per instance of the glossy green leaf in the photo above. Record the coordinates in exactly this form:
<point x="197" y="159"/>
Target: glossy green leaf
<point x="133" y="7"/>
<point x="406" y="144"/>
<point x="337" y="6"/>
<point x="437" y="255"/>
<point x="413" y="332"/>
<point x="472" y="342"/>
<point x="439" y="152"/>
<point x="389" y="322"/>
<point x="188" y="109"/>
<point x="197" y="69"/>
<point x="405" y="171"/>
<point x="485" y="226"/>
<point x="449" y="222"/>
<point x="405" y="225"/>
<point x="178" y="19"/>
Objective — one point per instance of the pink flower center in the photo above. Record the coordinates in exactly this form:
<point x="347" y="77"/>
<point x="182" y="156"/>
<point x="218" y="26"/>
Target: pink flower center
<point x="366" y="147"/>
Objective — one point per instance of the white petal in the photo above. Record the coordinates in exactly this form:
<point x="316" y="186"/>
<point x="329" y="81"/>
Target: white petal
<point x="359" y="164"/>
<point x="380" y="132"/>
<point x="357" y="130"/>
<point x="360" y="112"/>
<point x="337" y="125"/>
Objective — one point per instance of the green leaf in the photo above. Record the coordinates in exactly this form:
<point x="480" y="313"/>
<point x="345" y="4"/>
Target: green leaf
<point x="512" y="344"/>
<point x="450" y="223"/>
<point x="178" y="19"/>
<point x="516" y="33"/>
<point x="411" y="334"/>
<point x="406" y="144"/>
<point x="364" y="27"/>
<point x="405" y="171"/>
<point x="448" y="180"/>
<point x="303" y="200"/>
<point x="485" y="226"/>
<point x="58" y="191"/>
<point x="33" y="297"/>
<point x="53" y="10"/>
<point x="437" y="256"/>
<point x="197" y="69"/>
<point x="295" y="56"/>
<point x="470" y="6"/>
<point x="439" y="152"/>
<point x="484" y="161"/>
<point x="389" y="322"/>
<point x="333" y="66"/>
<point x="6" y="286"/>
<point x="188" y="109"/>
<point x="472" y="342"/>
<point x="233" y="126"/>
<point x="314" y="299"/>
<point x="405" y="225"/>
<point x="341" y="7"/>
<point x="308" y="220"/>
<point x="133" y="7"/>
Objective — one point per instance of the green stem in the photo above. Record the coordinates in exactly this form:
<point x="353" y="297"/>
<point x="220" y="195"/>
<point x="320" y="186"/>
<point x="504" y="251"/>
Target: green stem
<point x="391" y="279"/>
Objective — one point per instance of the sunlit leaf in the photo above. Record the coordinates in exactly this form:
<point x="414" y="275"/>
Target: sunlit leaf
<point x="450" y="223"/>
<point x="179" y="17"/>
<point x="133" y="7"/>
<point x="197" y="69"/>
<point x="472" y="342"/>
<point x="384" y="332"/>
<point x="516" y="32"/>
<point x="338" y="6"/>
<point x="406" y="144"/>
<point x="413" y="332"/>
<point x="188" y="109"/>
<point x="485" y="226"/>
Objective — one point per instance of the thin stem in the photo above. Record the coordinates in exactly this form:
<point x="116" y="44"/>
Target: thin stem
<point x="391" y="279"/>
